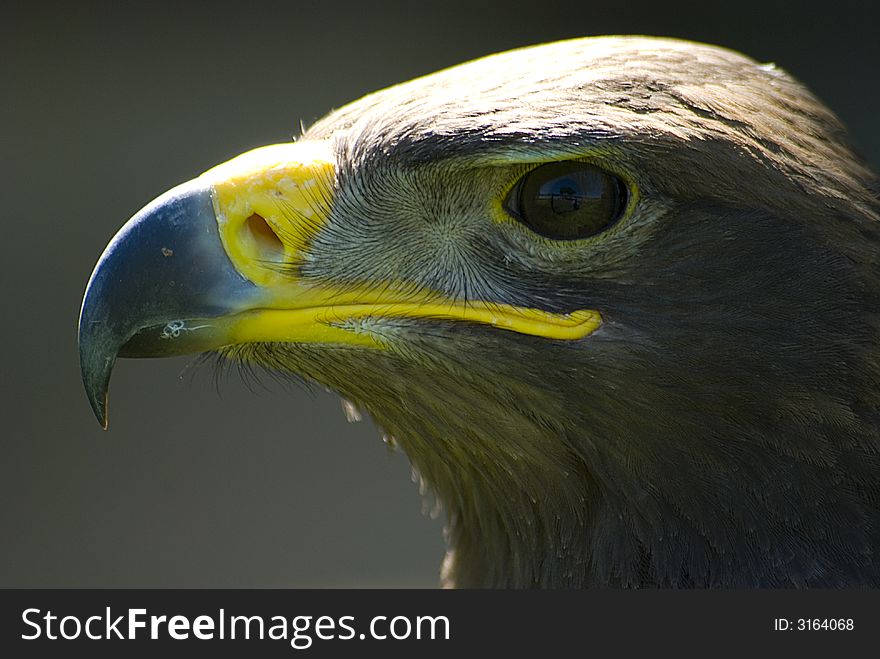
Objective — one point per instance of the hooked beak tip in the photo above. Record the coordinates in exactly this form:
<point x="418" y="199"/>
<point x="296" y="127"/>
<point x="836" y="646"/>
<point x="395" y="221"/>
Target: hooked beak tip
<point x="96" y="384"/>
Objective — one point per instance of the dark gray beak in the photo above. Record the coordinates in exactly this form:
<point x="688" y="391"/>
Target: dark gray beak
<point x="164" y="276"/>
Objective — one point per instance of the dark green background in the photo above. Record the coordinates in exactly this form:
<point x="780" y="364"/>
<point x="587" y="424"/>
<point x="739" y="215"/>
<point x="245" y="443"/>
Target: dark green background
<point x="103" y="108"/>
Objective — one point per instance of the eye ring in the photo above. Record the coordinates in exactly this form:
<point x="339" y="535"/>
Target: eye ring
<point x="567" y="200"/>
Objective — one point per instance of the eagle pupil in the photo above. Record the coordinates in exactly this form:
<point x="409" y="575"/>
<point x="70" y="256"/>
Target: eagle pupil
<point x="569" y="200"/>
<point x="563" y="194"/>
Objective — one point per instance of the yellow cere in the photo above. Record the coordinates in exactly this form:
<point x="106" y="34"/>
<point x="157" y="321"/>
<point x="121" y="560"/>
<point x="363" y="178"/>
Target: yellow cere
<point x="269" y="203"/>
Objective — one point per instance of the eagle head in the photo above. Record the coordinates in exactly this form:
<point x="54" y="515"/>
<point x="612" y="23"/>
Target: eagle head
<point x="616" y="299"/>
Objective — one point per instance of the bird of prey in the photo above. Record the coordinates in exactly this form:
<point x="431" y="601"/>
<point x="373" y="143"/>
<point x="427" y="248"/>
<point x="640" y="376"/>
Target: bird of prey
<point x="616" y="298"/>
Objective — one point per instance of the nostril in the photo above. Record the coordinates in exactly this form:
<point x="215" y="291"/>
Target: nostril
<point x="260" y="235"/>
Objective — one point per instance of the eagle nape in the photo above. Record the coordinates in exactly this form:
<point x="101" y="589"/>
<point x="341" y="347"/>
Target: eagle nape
<point x="616" y="298"/>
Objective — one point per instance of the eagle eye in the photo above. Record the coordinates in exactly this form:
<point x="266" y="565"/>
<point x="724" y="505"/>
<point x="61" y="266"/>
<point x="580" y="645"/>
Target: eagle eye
<point x="567" y="200"/>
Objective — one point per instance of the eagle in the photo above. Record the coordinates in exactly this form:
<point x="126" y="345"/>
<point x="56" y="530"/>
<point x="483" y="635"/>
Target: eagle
<point x="615" y="297"/>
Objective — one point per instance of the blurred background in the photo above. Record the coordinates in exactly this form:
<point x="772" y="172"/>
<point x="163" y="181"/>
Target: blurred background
<point x="205" y="481"/>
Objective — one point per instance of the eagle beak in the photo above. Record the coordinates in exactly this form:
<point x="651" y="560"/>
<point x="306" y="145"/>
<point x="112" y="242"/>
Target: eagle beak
<point x="157" y="289"/>
<point x="204" y="266"/>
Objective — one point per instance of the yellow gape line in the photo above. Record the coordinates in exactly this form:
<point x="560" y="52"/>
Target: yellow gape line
<point x="325" y="324"/>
